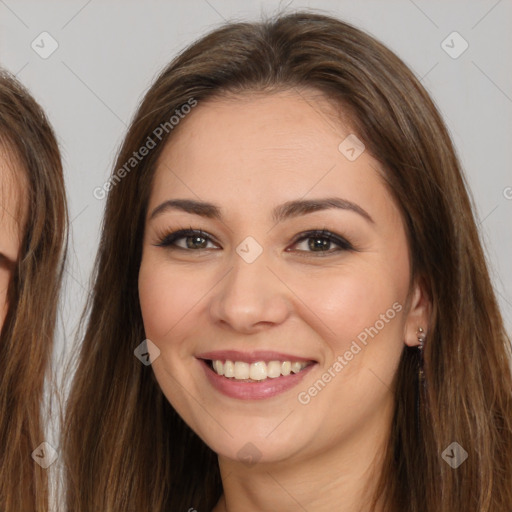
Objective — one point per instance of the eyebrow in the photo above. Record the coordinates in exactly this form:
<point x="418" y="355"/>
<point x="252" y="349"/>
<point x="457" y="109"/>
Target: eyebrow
<point x="279" y="213"/>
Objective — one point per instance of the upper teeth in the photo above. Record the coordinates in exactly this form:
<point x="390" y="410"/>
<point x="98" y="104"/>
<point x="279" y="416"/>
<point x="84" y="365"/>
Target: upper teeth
<point x="257" y="371"/>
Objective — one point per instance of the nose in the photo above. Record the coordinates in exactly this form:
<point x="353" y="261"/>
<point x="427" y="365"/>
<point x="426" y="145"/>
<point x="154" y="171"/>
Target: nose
<point x="250" y="298"/>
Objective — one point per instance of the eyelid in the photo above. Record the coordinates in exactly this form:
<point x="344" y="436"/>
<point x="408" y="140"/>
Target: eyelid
<point x="167" y="240"/>
<point x="339" y="240"/>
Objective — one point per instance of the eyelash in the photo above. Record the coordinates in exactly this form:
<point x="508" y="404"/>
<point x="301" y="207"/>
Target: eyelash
<point x="168" y="240"/>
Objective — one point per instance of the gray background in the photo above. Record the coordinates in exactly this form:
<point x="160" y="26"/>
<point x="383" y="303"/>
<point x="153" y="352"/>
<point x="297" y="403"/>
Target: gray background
<point x="110" y="51"/>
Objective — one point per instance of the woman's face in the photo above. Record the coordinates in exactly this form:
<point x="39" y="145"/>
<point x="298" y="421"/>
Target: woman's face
<point x="259" y="294"/>
<point x="11" y="220"/>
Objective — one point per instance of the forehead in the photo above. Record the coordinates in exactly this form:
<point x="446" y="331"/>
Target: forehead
<point x="284" y="124"/>
<point x="260" y="149"/>
<point x="13" y="202"/>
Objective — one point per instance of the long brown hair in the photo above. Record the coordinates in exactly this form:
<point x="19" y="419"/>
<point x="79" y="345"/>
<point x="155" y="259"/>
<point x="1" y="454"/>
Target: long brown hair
<point x="26" y="338"/>
<point x="125" y="446"/>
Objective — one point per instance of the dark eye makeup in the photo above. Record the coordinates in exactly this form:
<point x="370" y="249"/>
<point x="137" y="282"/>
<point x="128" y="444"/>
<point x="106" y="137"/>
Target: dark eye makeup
<point x="319" y="241"/>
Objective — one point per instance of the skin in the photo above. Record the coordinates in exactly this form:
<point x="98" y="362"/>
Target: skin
<point x="248" y="154"/>
<point x="12" y="217"/>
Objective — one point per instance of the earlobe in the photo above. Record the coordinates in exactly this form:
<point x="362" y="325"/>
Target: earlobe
<point x="418" y="316"/>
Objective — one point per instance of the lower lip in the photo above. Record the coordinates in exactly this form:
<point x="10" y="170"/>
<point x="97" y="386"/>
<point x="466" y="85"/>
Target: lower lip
<point x="253" y="390"/>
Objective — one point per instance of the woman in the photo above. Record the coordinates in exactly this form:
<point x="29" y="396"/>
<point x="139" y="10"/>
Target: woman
<point x="289" y="242"/>
<point x="32" y="238"/>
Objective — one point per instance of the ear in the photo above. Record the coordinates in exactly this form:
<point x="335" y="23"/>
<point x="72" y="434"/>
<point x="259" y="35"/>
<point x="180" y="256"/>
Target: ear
<point x="418" y="315"/>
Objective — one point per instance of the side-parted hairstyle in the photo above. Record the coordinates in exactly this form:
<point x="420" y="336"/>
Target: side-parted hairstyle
<point x="126" y="449"/>
<point x="26" y="339"/>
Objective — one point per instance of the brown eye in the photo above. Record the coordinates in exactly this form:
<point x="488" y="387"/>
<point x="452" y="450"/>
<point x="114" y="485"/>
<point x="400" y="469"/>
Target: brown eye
<point x="186" y="239"/>
<point x="196" y="242"/>
<point x="322" y="242"/>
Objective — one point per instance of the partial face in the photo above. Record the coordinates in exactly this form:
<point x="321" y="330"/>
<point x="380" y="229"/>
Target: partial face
<point x="11" y="222"/>
<point x="279" y="323"/>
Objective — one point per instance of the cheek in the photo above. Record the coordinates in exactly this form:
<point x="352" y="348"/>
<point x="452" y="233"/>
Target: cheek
<point x="350" y="299"/>
<point x="168" y="295"/>
<point x="172" y="301"/>
<point x="359" y="316"/>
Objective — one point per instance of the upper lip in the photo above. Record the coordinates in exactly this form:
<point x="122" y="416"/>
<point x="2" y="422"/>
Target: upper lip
<point x="251" y="357"/>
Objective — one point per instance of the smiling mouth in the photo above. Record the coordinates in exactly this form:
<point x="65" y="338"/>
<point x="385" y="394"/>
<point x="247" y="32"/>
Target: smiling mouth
<point x="258" y="371"/>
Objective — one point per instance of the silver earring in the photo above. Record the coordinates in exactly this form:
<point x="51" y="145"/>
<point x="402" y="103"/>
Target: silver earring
<point x="421" y="338"/>
<point x="420" y="334"/>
